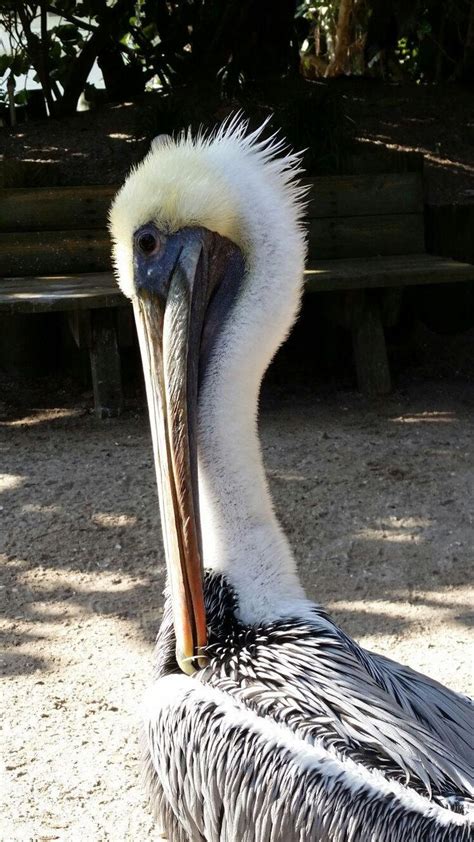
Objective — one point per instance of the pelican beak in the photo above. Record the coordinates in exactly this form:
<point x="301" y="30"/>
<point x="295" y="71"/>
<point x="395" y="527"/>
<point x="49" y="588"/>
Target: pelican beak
<point x="175" y="277"/>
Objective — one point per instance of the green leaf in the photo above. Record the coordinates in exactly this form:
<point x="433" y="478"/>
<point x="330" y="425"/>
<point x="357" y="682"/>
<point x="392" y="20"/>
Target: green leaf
<point x="149" y="31"/>
<point x="5" y="63"/>
<point x="20" y="64"/>
<point x="65" y="6"/>
<point x="21" y="98"/>
<point x="66" y="32"/>
<point x="55" y="52"/>
<point x="424" y="28"/>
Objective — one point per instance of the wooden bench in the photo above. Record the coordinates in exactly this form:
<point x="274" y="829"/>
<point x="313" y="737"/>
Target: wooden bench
<point x="366" y="243"/>
<point x="55" y="255"/>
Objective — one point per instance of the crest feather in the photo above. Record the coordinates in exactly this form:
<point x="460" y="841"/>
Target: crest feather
<point x="198" y="180"/>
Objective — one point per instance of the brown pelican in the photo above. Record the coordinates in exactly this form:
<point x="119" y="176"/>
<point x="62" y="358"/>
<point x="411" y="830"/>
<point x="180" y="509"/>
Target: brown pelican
<point x="266" y="722"/>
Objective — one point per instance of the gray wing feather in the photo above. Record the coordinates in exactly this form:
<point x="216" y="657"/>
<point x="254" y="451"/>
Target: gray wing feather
<point x="224" y="774"/>
<point x="325" y="686"/>
<point x="447" y="714"/>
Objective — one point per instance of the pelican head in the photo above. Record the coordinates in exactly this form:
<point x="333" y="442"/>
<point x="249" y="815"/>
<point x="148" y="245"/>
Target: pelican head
<point x="209" y="247"/>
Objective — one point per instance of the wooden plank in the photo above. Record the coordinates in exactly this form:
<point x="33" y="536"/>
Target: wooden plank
<point x="79" y="322"/>
<point x="55" y="209"/>
<point x="126" y="331"/>
<point x="63" y="252"/>
<point x="67" y="292"/>
<point x="365" y="195"/>
<point x="64" y="303"/>
<point x="105" y="364"/>
<point x="45" y="285"/>
<point x="390" y="302"/>
<point x="368" y="342"/>
<point x="391" y="271"/>
<point x="31" y="174"/>
<point x="45" y="292"/>
<point x="362" y="236"/>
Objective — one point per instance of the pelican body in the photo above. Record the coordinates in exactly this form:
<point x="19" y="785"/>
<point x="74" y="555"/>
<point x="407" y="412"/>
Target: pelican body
<point x="265" y="722"/>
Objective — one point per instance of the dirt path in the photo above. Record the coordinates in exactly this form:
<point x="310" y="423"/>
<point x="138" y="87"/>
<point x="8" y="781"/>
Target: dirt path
<point x="377" y="501"/>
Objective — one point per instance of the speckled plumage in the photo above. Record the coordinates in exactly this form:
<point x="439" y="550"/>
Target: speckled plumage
<point x="294" y="732"/>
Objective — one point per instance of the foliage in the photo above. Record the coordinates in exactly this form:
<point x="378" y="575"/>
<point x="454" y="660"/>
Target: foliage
<point x="63" y="55"/>
<point x="160" y="43"/>
<point x="423" y="40"/>
<point x="319" y="49"/>
<point x="432" y="45"/>
<point x="164" y="44"/>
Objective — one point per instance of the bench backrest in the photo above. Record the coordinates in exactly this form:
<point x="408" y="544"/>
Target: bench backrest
<point x="54" y="231"/>
<point x="366" y="215"/>
<point x="63" y="229"/>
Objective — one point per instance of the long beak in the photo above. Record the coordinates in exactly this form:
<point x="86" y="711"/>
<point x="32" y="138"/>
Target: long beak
<point x="169" y="329"/>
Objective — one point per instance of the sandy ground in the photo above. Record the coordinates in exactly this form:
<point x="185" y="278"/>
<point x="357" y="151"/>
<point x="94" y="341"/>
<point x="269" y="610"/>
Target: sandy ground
<point x="377" y="501"/>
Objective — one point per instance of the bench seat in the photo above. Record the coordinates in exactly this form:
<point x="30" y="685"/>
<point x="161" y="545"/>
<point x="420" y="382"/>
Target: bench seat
<point x="386" y="271"/>
<point x="92" y="302"/>
<point x="45" y="293"/>
<point x="99" y="289"/>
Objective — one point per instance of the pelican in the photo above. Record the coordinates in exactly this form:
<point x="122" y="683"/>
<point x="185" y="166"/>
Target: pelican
<point x="265" y="722"/>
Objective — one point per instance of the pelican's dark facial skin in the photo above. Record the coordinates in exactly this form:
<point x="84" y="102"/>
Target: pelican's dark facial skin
<point x="185" y="287"/>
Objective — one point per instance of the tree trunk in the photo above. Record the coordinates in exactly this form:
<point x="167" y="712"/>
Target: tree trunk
<point x="468" y="58"/>
<point x="122" y="81"/>
<point x="81" y="68"/>
<point x="338" y="65"/>
<point x="255" y="38"/>
<point x="37" y="48"/>
<point x="44" y="47"/>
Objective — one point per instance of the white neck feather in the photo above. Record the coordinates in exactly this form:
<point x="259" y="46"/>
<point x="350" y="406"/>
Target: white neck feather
<point x="241" y="535"/>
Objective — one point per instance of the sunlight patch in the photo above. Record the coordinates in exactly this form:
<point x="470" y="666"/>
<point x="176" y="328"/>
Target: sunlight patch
<point x="367" y="606"/>
<point x="426" y="417"/>
<point x="120" y="136"/>
<point x="10" y="481"/>
<point x="408" y="522"/>
<point x="391" y="535"/>
<point x="112" y="520"/>
<point x="438" y="607"/>
<point x="37" y="507"/>
<point x="40" y="416"/>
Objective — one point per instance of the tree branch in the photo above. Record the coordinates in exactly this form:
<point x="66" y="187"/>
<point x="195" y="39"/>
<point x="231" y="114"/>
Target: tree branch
<point x="338" y="64"/>
<point x="82" y="66"/>
<point x="35" y="49"/>
<point x="71" y="19"/>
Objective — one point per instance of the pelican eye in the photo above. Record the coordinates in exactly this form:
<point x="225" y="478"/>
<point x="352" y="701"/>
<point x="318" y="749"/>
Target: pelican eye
<point x="147" y="242"/>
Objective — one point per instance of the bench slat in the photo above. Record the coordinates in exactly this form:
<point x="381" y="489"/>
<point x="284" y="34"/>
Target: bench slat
<point x="55" y="209"/>
<point x="62" y="292"/>
<point x="100" y="289"/>
<point x="365" y="195"/>
<point x="41" y="252"/>
<point x="394" y="271"/>
<point x="360" y="236"/>
<point x="60" y="208"/>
